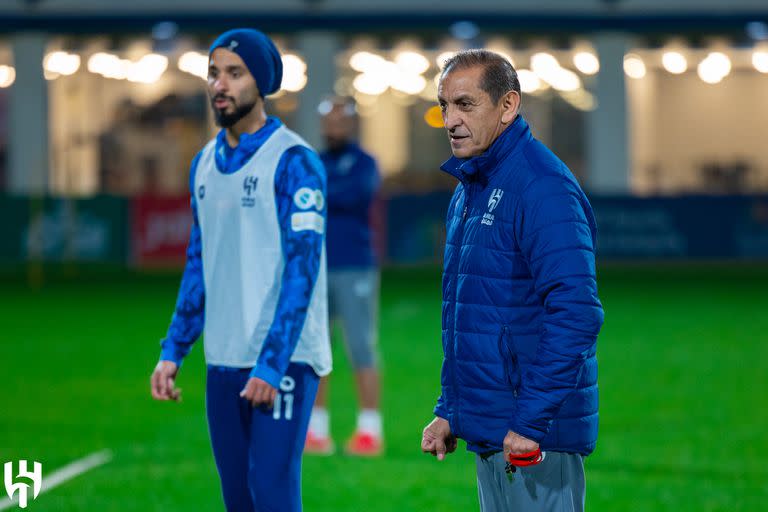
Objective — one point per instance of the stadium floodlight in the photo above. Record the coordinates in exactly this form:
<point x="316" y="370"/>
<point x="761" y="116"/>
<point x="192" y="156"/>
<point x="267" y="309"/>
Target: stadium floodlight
<point x="634" y="66"/>
<point x="674" y="62"/>
<point x="719" y="62"/>
<point x="194" y="63"/>
<point x="61" y="63"/>
<point x="366" y="61"/>
<point x="109" y="65"/>
<point x="586" y="62"/>
<point x="7" y="76"/>
<point x="294" y="73"/>
<point x="408" y="83"/>
<point x="565" y="80"/>
<point x="370" y="84"/>
<point x="760" y="60"/>
<point x="714" y="68"/>
<point x="411" y="62"/>
<point x="544" y="65"/>
<point x="148" y="69"/>
<point x="529" y="81"/>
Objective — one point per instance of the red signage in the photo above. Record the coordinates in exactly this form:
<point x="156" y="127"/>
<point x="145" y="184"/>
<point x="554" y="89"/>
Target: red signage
<point x="160" y="230"/>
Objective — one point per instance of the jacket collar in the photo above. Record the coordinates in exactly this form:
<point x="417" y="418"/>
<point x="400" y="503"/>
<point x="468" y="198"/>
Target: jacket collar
<point x="483" y="166"/>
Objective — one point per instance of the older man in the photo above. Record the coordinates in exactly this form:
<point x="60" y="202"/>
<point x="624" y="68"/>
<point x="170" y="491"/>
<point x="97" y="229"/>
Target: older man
<point x="520" y="308"/>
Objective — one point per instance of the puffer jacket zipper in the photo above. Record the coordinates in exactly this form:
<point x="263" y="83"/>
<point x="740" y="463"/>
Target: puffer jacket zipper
<point x="459" y="237"/>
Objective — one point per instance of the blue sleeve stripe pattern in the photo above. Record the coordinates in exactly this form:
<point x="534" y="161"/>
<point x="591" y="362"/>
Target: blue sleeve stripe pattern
<point x="299" y="167"/>
<point x="189" y="315"/>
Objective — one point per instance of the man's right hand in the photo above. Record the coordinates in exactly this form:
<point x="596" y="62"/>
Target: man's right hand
<point x="437" y="438"/>
<point x="163" y="382"/>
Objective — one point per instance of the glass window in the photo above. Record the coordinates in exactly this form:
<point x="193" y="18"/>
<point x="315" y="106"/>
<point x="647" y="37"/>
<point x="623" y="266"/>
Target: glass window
<point x="698" y="118"/>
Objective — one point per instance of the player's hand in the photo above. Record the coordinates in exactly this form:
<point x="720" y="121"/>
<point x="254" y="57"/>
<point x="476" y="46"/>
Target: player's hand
<point x="517" y="444"/>
<point x="259" y="392"/>
<point x="163" y="382"/>
<point x="437" y="438"/>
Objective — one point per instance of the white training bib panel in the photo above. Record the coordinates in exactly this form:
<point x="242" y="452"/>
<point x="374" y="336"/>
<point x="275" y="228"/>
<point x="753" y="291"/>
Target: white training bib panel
<point x="243" y="261"/>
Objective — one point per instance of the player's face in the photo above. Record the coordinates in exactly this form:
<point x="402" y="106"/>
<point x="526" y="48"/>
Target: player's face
<point x="338" y="127"/>
<point x="472" y="119"/>
<point x="231" y="87"/>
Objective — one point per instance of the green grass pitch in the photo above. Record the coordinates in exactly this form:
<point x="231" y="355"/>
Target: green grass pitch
<point x="683" y="379"/>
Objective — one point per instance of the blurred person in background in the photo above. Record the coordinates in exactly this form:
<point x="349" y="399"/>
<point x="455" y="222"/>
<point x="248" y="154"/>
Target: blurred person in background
<point x="521" y="313"/>
<point x="254" y="281"/>
<point x="353" y="276"/>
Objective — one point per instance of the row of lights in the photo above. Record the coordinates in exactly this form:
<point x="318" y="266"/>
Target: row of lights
<point x="545" y="71"/>
<point x="711" y="69"/>
<point x="377" y="74"/>
<point x="148" y="69"/>
<point x="404" y="73"/>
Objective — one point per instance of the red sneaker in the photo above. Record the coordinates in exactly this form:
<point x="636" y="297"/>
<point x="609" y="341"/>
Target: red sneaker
<point x="364" y="444"/>
<point x="318" y="445"/>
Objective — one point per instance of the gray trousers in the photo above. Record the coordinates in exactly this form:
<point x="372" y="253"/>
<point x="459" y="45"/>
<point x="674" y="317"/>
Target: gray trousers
<point x="555" y="485"/>
<point x="353" y="298"/>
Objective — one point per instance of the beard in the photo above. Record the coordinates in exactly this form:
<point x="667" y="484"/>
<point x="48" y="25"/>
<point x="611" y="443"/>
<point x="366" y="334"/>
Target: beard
<point x="227" y="119"/>
<point x="334" y="143"/>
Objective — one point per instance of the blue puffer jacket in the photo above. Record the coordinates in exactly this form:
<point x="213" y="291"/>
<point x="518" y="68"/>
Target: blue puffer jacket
<point x="520" y="308"/>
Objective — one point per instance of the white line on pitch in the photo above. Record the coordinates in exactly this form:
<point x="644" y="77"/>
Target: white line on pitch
<point x="64" y="474"/>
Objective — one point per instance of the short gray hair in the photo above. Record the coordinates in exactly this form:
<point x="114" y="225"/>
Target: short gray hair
<point x="499" y="76"/>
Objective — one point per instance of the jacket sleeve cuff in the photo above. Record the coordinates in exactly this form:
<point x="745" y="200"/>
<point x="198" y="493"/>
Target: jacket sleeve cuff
<point x="170" y="351"/>
<point x="528" y="431"/>
<point x="267" y="374"/>
<point x="440" y="410"/>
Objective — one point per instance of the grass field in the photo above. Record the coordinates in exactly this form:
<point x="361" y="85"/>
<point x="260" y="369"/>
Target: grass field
<point x="684" y="371"/>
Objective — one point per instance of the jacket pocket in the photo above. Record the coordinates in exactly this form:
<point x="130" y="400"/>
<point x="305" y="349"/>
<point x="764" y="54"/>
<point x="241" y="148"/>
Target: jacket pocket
<point x="510" y="359"/>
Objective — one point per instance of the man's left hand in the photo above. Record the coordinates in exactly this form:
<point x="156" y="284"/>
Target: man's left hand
<point x="517" y="444"/>
<point x="259" y="392"/>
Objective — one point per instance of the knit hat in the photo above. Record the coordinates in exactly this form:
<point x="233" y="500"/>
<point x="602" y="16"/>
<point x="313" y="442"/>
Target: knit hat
<point x="259" y="54"/>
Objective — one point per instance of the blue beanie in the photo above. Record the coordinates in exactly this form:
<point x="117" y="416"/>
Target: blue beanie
<point x="259" y="54"/>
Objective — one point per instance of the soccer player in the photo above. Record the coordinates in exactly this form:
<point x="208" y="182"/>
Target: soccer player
<point x="353" y="276"/>
<point x="255" y="280"/>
